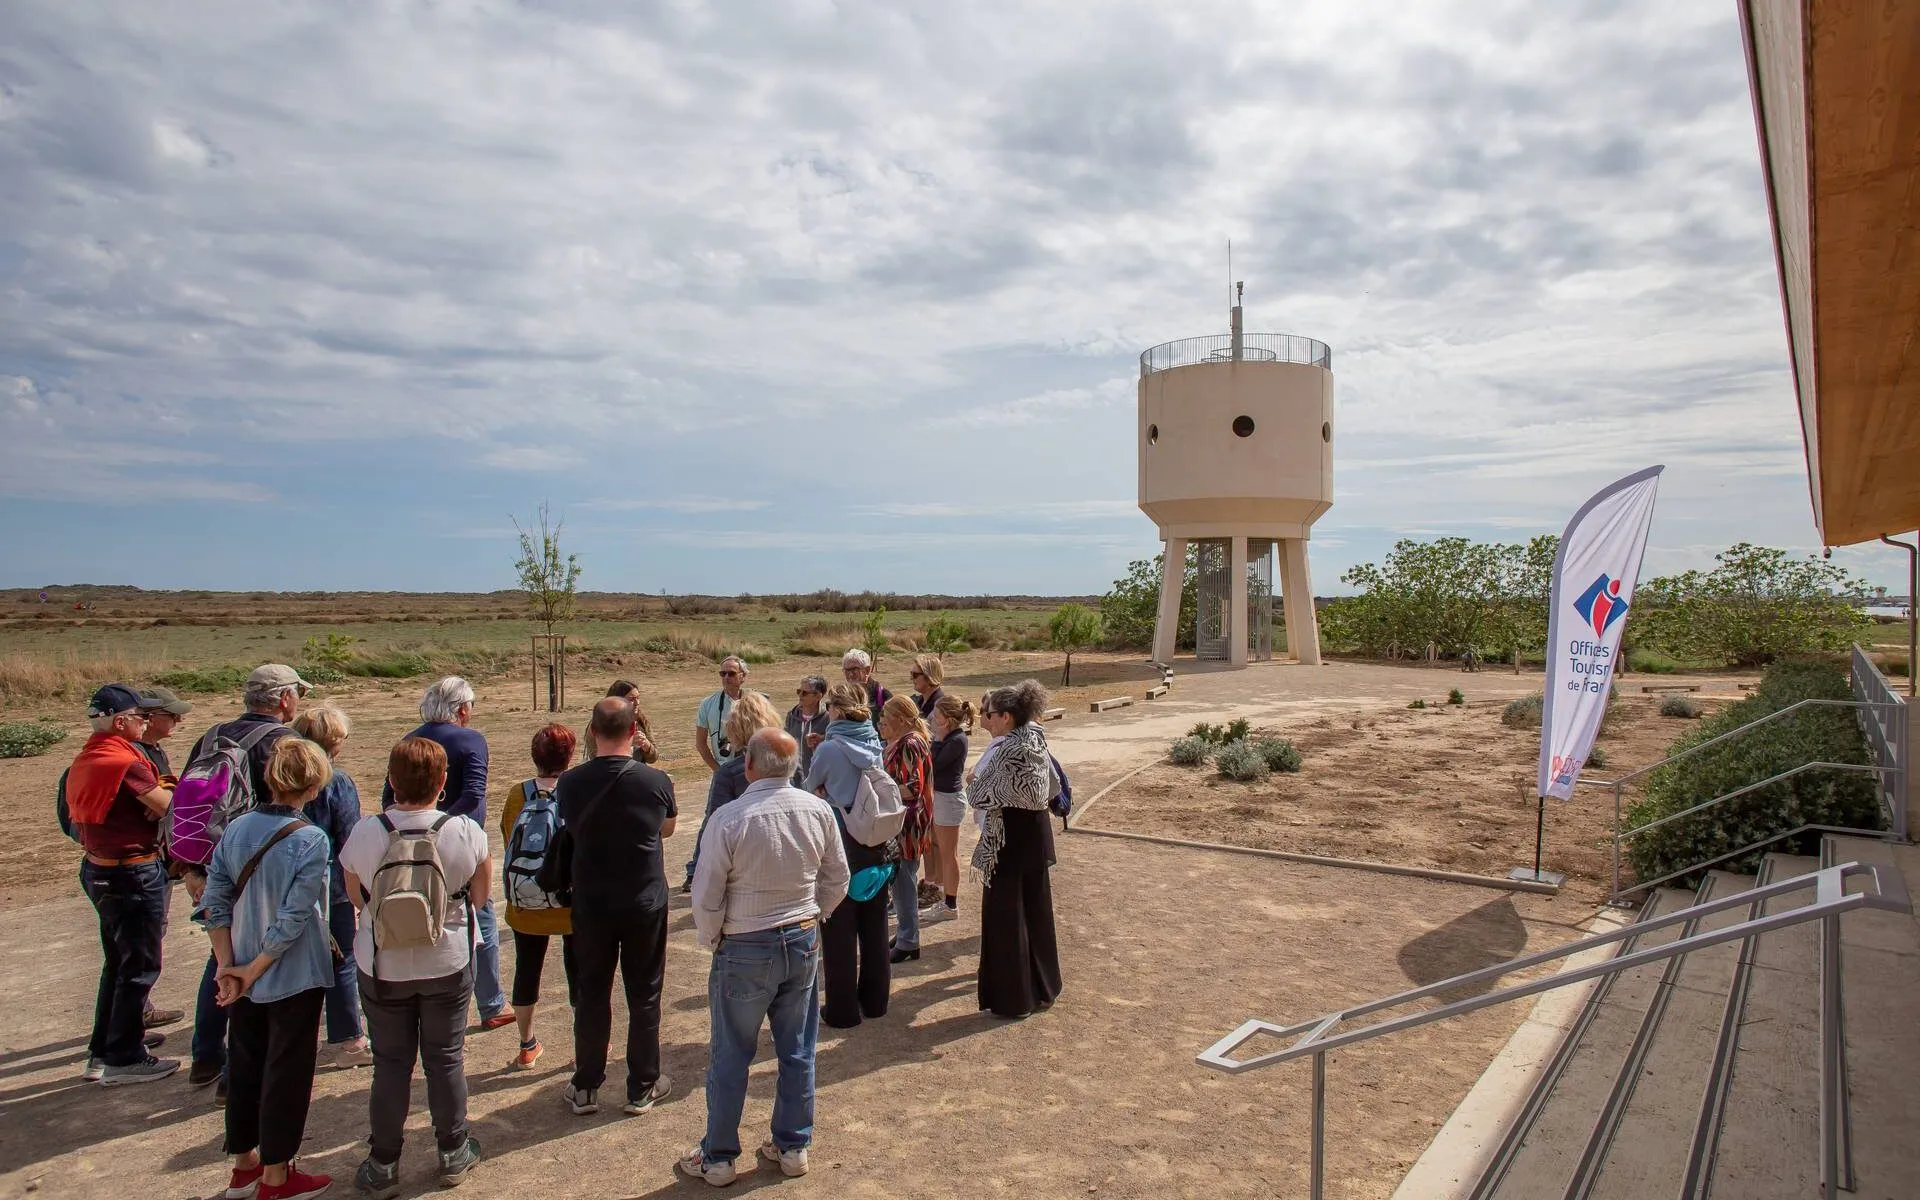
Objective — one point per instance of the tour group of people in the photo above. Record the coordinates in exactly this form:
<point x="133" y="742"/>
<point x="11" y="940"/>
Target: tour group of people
<point x="385" y="925"/>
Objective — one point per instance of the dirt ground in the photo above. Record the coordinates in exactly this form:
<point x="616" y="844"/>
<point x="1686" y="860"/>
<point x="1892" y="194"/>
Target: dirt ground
<point x="1164" y="950"/>
<point x="1447" y="787"/>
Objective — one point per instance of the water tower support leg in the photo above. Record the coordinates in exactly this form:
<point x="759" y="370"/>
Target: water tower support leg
<point x="1237" y="601"/>
<point x="1296" y="590"/>
<point x="1173" y="580"/>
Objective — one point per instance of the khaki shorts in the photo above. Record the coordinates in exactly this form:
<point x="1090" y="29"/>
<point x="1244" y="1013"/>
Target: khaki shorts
<point x="950" y="808"/>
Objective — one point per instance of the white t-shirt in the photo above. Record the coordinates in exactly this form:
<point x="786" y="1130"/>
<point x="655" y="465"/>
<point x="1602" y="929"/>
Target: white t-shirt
<point x="463" y="847"/>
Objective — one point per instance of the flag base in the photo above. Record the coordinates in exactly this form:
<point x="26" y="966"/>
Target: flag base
<point x="1529" y="875"/>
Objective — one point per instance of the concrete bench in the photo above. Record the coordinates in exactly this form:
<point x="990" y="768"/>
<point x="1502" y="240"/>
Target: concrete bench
<point x="1154" y="693"/>
<point x="1053" y="714"/>
<point x="1113" y="702"/>
<point x="1647" y="688"/>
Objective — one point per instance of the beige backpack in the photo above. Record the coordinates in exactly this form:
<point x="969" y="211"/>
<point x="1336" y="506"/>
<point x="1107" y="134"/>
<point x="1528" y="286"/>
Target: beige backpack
<point x="407" y="897"/>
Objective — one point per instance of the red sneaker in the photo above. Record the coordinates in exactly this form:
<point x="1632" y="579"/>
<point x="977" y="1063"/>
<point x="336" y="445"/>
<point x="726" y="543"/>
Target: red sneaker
<point x="242" y="1184"/>
<point x="299" y="1186"/>
<point x="499" y="1020"/>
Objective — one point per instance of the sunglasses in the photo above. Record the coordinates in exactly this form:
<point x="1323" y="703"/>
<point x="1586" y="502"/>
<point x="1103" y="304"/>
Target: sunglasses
<point x="916" y="674"/>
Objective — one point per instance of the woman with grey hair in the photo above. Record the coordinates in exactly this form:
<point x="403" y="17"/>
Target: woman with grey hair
<point x="856" y="666"/>
<point x="807" y="720"/>
<point x="446" y="708"/>
<point x="1019" y="959"/>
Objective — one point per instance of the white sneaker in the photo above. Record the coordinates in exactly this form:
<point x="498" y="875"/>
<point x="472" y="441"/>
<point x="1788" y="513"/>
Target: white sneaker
<point x="355" y="1053"/>
<point x="96" y="1067"/>
<point x="696" y="1166"/>
<point x="793" y="1163"/>
<point x="937" y="914"/>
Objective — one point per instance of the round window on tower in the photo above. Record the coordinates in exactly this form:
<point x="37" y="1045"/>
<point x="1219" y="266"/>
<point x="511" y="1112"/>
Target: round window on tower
<point x="1243" y="426"/>
<point x="1153" y="435"/>
<point x="1326" y="431"/>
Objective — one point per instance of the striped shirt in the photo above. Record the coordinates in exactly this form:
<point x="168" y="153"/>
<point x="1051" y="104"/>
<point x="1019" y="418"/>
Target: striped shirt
<point x="768" y="859"/>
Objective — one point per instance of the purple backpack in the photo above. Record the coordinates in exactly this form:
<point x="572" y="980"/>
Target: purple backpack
<point x="216" y="787"/>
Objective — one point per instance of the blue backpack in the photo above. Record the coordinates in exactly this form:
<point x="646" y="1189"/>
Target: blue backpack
<point x="1061" y="804"/>
<point x="534" y="831"/>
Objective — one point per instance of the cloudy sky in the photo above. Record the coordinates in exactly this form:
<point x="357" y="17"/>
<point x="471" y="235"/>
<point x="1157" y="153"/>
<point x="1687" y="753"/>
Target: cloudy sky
<point x="802" y="294"/>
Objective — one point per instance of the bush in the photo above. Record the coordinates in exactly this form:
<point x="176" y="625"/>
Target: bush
<point x="1651" y="662"/>
<point x="1210" y="734"/>
<point x="1240" y="761"/>
<point x="1279" y="753"/>
<point x="1597" y="757"/>
<point x="25" y="739"/>
<point x="1190" y="751"/>
<point x="1684" y="707"/>
<point x="206" y="679"/>
<point x="1523" y="713"/>
<point x="1846" y="798"/>
<point x="398" y="665"/>
<point x="314" y="674"/>
<point x="1238" y="730"/>
<point x="1417" y="704"/>
<point x="1456" y="697"/>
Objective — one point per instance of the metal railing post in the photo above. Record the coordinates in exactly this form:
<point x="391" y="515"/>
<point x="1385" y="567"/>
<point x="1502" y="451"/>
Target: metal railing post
<point x="1830" y="1081"/>
<point x="1316" y="1163"/>
<point x="1614" y="896"/>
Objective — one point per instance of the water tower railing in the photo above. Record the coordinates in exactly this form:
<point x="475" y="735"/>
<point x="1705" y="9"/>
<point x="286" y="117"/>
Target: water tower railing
<point x="1218" y="347"/>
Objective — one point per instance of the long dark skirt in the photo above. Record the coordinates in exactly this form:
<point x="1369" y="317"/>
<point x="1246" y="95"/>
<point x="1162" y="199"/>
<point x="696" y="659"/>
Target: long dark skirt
<point x="1019" y="958"/>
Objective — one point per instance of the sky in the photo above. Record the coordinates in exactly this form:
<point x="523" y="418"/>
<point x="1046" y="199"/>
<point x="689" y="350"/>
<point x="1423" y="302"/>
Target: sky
<point x="798" y="294"/>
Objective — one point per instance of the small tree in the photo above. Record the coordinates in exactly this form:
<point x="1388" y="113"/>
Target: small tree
<point x="547" y="578"/>
<point x="548" y="581"/>
<point x="873" y="633"/>
<point x="944" y="634"/>
<point x="1073" y="627"/>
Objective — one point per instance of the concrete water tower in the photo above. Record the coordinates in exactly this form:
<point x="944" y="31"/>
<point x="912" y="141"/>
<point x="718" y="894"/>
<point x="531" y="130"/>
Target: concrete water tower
<point x="1236" y="458"/>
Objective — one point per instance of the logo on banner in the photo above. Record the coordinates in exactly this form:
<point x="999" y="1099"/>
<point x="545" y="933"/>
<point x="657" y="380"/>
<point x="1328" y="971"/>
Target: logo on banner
<point x="1600" y="606"/>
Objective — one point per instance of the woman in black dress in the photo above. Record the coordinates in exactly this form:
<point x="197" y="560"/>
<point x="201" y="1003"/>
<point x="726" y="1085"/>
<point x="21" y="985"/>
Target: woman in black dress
<point x="1019" y="960"/>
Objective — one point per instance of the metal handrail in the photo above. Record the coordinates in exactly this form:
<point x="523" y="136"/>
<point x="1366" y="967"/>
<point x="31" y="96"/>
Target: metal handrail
<point x="1218" y="347"/>
<point x="1831" y="901"/>
<point x="1620" y="835"/>
<point x="1779" y="777"/>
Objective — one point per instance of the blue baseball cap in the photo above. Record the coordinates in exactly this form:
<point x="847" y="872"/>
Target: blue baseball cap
<point x="112" y="700"/>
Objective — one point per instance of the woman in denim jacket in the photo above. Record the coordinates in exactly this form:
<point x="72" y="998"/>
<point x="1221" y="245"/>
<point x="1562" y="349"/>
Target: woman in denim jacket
<point x="269" y="933"/>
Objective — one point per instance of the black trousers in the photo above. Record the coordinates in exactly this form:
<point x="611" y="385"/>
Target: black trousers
<point x="270" y="1054"/>
<point x="1019" y="959"/>
<point x="853" y="959"/>
<point x="636" y="944"/>
<point x="530" y="960"/>
<point x="132" y="906"/>
<point x="424" y="1019"/>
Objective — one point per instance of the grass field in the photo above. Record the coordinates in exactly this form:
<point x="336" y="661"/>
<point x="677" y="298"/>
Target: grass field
<point x="205" y="642"/>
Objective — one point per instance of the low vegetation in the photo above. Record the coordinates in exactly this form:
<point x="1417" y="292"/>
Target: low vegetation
<point x="1825" y="797"/>
<point x="1523" y="713"/>
<point x="1240" y="761"/>
<point x="1684" y="707"/>
<point x="25" y="739"/>
<point x="1234" y="751"/>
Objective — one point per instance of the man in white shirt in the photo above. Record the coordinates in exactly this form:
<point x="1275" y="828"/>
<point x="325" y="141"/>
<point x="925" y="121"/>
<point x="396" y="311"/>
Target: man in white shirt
<point x="771" y="865"/>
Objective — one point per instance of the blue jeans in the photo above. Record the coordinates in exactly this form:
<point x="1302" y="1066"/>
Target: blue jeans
<point x="131" y="903"/>
<point x="905" y="887"/>
<point x="773" y="975"/>
<point x="487" y="992"/>
<point x="343" y="995"/>
<point x="209" y="1021"/>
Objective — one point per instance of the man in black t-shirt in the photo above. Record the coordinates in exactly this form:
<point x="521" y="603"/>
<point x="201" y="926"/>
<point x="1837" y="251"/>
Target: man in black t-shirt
<point x="618" y="810"/>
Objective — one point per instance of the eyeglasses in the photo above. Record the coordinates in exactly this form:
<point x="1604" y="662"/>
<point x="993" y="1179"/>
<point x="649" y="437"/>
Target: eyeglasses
<point x="991" y="712"/>
<point x="916" y="674"/>
<point x="729" y="674"/>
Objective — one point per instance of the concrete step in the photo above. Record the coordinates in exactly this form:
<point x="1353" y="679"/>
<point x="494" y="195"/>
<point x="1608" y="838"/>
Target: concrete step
<point x="1880" y="973"/>
<point x="1647" y="1154"/>
<point x="1769" y="1138"/>
<point x="1550" y="1151"/>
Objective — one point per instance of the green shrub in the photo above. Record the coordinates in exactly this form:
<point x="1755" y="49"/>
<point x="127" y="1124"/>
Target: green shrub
<point x="1597" y="757"/>
<point x="314" y="674"/>
<point x="25" y="739"/>
<point x="1279" y="753"/>
<point x="1847" y="798"/>
<point x="1190" y="751"/>
<point x="398" y="665"/>
<point x="1523" y="713"/>
<point x="206" y="679"/>
<point x="1212" y="735"/>
<point x="1456" y="697"/>
<point x="1684" y="707"/>
<point x="1651" y="662"/>
<point x="1240" y="761"/>
<point x="1238" y="730"/>
<point x="1417" y="704"/>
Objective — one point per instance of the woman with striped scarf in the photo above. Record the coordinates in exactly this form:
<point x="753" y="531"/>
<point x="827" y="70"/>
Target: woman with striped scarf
<point x="909" y="761"/>
<point x="1019" y="959"/>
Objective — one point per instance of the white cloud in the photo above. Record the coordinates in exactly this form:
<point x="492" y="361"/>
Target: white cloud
<point x="678" y="504"/>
